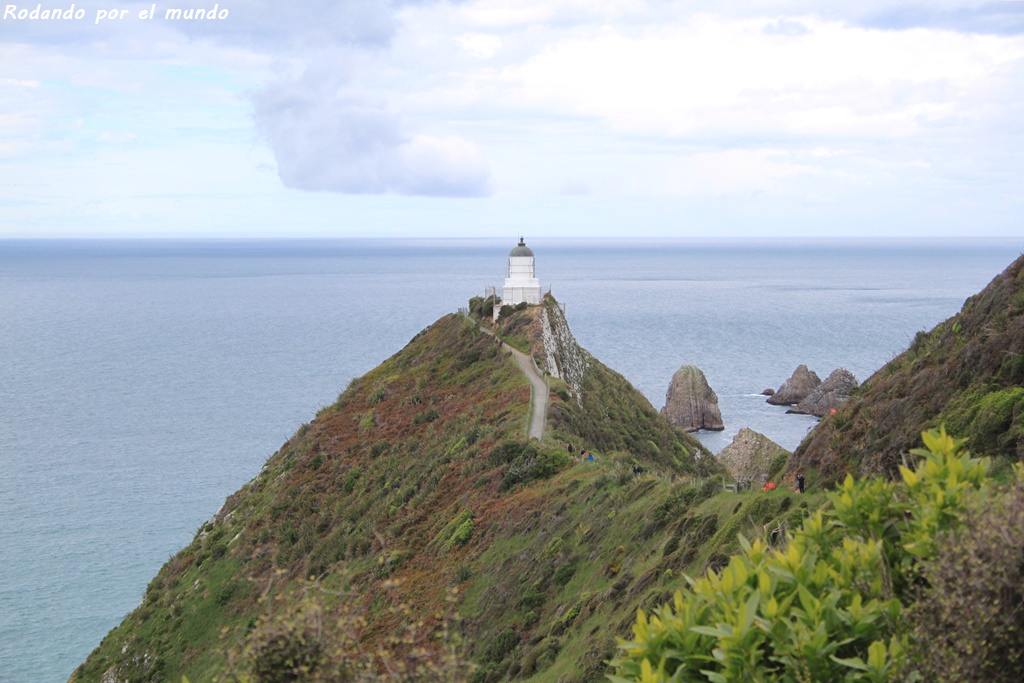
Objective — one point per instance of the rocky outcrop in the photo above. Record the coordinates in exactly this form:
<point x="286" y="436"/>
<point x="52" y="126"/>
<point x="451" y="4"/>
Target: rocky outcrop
<point x="768" y="392"/>
<point x="828" y="396"/>
<point x="796" y="388"/>
<point x="562" y="356"/>
<point x="750" y="456"/>
<point x="690" y="403"/>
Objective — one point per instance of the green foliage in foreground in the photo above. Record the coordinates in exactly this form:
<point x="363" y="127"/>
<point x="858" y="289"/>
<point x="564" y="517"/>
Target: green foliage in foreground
<point x="831" y="605"/>
<point x="969" y="625"/>
<point x="297" y="640"/>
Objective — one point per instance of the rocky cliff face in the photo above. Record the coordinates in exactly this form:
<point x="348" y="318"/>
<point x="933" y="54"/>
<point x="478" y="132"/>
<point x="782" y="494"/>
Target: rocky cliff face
<point x="561" y="356"/>
<point x="967" y="374"/>
<point x="690" y="403"/>
<point x="829" y="395"/>
<point x="750" y="456"/>
<point x="796" y="388"/>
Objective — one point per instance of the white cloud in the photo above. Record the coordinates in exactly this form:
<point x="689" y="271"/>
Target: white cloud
<point x="731" y="172"/>
<point x="328" y="135"/>
<point x="480" y="45"/>
<point x="726" y="77"/>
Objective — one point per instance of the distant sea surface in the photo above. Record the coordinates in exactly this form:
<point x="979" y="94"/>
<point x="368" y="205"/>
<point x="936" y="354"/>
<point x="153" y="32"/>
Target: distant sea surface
<point x="142" y="382"/>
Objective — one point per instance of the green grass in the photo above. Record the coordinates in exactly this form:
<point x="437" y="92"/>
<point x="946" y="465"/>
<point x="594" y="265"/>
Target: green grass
<point x="401" y="507"/>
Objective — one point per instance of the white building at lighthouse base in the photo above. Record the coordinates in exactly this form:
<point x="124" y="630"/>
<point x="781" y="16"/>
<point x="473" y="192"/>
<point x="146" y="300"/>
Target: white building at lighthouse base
<point x="521" y="283"/>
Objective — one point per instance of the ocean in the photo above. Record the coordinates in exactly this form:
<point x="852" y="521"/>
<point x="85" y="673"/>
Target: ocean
<point x="142" y="382"/>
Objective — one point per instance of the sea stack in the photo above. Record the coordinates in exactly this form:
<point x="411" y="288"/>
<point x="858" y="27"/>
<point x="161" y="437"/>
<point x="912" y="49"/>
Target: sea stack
<point x="750" y="456"/>
<point x="690" y="403"/>
<point x="795" y="389"/>
<point x="830" y="394"/>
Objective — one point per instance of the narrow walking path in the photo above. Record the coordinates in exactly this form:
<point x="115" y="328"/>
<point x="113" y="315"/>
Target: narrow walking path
<point x="538" y="387"/>
<point x="538" y="392"/>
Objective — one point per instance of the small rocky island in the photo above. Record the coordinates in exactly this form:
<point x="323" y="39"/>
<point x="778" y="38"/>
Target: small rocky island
<point x="795" y="389"/>
<point x="690" y="403"/>
<point x="750" y="456"/>
<point x="828" y="395"/>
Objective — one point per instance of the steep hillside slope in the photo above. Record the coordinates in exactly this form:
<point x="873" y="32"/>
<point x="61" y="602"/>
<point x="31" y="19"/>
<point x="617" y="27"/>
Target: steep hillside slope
<point x="592" y="406"/>
<point x="418" y="480"/>
<point x="966" y="373"/>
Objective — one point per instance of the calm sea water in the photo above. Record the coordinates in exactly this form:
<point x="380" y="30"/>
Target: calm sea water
<point x="143" y="382"/>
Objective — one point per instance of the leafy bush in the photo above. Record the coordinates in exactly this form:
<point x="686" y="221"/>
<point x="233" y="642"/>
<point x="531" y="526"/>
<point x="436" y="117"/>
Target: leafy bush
<point x="533" y="597"/>
<point x="564" y="574"/>
<point x="531" y="468"/>
<point x="456" y="532"/>
<point x="462" y="534"/>
<point x="507" y="451"/>
<point x="829" y="604"/>
<point x="481" y="307"/>
<point x="968" y="624"/>
<point x="487" y="308"/>
<point x="526" y="462"/>
<point x="500" y="648"/>
<point x="350" y="480"/>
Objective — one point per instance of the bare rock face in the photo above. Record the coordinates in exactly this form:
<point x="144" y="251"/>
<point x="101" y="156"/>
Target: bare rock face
<point x="690" y="403"/>
<point x="796" y="388"/>
<point x="750" y="455"/>
<point x="560" y="355"/>
<point x="832" y="392"/>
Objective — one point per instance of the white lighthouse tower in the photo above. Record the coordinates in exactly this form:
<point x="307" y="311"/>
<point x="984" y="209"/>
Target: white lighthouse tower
<point x="521" y="283"/>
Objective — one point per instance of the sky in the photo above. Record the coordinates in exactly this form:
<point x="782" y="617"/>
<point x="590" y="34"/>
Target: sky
<point x="494" y="118"/>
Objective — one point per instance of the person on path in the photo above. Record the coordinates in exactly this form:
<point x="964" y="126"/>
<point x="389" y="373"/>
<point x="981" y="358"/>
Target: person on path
<point x="800" y="482"/>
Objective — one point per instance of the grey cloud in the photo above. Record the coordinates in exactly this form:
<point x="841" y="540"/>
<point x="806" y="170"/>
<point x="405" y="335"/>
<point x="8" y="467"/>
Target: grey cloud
<point x="328" y="137"/>
<point x="997" y="18"/>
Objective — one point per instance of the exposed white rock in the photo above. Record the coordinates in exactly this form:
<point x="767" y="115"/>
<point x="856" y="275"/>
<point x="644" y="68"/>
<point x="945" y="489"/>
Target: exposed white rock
<point x="563" y="357"/>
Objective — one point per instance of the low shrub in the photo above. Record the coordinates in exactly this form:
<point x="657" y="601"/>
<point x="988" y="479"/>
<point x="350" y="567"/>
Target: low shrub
<point x="829" y="603"/>
<point x="564" y="574"/>
<point x="968" y="624"/>
<point x="501" y="647"/>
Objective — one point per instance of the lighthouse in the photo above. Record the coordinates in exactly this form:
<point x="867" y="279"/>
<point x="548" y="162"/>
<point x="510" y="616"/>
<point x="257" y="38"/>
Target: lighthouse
<point x="521" y="283"/>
